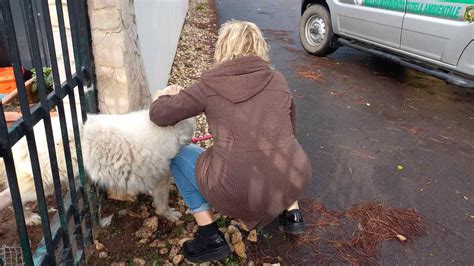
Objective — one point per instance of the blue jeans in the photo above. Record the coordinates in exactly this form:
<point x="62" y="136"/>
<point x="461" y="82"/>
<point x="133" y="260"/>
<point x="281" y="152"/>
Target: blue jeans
<point x="183" y="169"/>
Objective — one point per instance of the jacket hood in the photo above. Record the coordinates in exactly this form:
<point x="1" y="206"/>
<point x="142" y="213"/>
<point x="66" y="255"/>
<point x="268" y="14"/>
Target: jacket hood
<point x="240" y="79"/>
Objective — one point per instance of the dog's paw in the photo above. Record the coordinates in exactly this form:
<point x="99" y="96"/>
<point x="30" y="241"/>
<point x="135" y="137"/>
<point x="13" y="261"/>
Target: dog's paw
<point x="171" y="215"/>
<point x="32" y="219"/>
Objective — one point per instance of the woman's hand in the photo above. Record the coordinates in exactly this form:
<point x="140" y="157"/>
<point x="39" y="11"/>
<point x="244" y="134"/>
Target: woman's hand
<point x="170" y="90"/>
<point x="173" y="90"/>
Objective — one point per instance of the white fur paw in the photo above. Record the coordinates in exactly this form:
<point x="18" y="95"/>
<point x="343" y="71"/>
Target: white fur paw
<point x="171" y="214"/>
<point x="32" y="219"/>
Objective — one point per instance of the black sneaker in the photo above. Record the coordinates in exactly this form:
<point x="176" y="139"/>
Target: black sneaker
<point x="202" y="249"/>
<point x="291" y="222"/>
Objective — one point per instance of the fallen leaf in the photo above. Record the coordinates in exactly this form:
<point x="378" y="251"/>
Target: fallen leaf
<point x="240" y="249"/>
<point x="401" y="238"/>
<point x="400" y="167"/>
<point x="252" y="236"/>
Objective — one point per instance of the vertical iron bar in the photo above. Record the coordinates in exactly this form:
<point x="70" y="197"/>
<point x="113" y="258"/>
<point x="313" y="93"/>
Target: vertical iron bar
<point x="28" y="127"/>
<point x="84" y="25"/>
<point x="62" y="119"/>
<point x="73" y="22"/>
<point x="70" y="171"/>
<point x="90" y="98"/>
<point x="84" y="55"/>
<point x="13" y="186"/>
<point x="34" y="47"/>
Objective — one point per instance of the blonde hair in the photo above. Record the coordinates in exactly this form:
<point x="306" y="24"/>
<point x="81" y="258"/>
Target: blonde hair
<point x="240" y="38"/>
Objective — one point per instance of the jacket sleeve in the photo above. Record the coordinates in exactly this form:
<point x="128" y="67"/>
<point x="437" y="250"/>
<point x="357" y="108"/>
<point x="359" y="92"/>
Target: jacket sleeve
<point x="168" y="110"/>
<point x="293" y="115"/>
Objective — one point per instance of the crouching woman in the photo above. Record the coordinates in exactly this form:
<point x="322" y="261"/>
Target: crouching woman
<point x="256" y="169"/>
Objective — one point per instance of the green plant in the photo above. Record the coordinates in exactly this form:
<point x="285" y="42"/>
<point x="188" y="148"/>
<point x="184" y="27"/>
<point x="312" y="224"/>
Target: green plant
<point x="232" y="260"/>
<point x="200" y="7"/>
<point x="223" y="222"/>
<point x="48" y="79"/>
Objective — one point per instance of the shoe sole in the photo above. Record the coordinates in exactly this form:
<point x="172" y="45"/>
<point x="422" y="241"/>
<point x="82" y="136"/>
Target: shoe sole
<point x="293" y="229"/>
<point x="219" y="254"/>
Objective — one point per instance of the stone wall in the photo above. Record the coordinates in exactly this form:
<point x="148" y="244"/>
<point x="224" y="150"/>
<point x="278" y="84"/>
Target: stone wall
<point x="57" y="38"/>
<point x="121" y="79"/>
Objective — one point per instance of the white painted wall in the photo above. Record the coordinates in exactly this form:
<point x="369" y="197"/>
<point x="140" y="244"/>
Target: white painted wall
<point x="159" y="24"/>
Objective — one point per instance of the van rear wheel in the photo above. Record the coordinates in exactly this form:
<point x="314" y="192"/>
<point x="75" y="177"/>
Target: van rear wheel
<point x="316" y="33"/>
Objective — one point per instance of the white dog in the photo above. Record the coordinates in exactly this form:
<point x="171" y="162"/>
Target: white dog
<point x="126" y="152"/>
<point x="24" y="171"/>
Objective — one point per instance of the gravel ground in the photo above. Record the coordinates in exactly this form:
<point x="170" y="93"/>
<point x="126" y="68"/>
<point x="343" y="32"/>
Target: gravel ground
<point x="195" y="52"/>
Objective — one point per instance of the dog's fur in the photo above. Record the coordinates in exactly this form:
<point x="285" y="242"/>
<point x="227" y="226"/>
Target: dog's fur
<point x="126" y="152"/>
<point x="130" y="154"/>
<point x="24" y="171"/>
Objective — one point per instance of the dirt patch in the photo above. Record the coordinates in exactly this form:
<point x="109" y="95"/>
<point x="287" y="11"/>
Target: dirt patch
<point x="120" y="239"/>
<point x="8" y="229"/>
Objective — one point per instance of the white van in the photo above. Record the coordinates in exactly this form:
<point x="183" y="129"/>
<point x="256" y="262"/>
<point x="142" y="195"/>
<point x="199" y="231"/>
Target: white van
<point x="434" y="37"/>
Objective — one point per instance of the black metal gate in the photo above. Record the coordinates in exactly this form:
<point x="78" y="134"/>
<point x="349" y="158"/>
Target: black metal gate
<point x="64" y="236"/>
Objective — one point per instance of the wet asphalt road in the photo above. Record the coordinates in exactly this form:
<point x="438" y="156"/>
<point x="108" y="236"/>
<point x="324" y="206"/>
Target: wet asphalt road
<point x="360" y="116"/>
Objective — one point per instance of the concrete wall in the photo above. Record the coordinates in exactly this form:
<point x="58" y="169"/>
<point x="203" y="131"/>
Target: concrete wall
<point x="159" y="24"/>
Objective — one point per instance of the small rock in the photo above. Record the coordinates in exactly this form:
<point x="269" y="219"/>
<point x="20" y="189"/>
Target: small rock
<point x="240" y="249"/>
<point x="158" y="244"/>
<point x="181" y="241"/>
<point x="99" y="246"/>
<point x="121" y="263"/>
<point x="122" y="213"/>
<point x="103" y="255"/>
<point x="143" y="233"/>
<point x="252" y="236"/>
<point x="143" y="241"/>
<point x="151" y="224"/>
<point x="163" y="251"/>
<point x="173" y="241"/>
<point x="178" y="259"/>
<point x="139" y="261"/>
<point x="174" y="251"/>
<point x="181" y="202"/>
